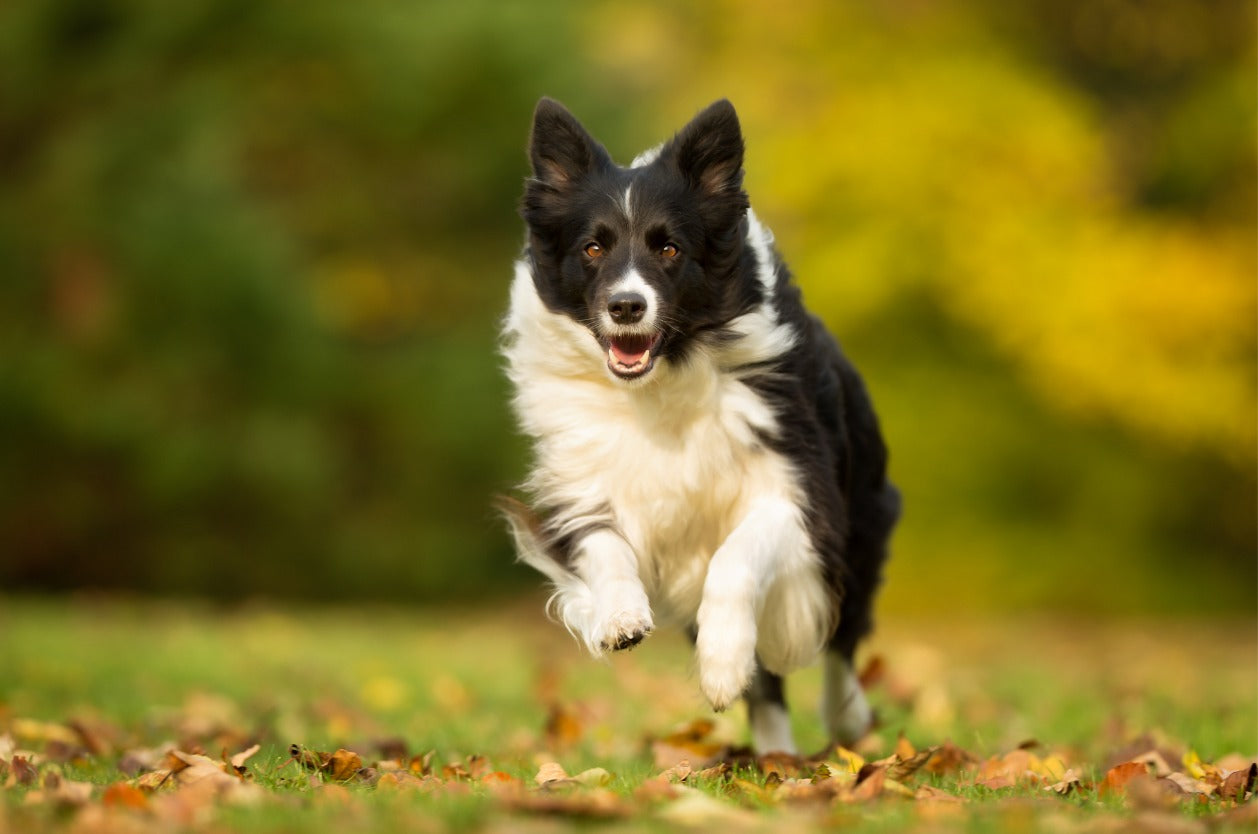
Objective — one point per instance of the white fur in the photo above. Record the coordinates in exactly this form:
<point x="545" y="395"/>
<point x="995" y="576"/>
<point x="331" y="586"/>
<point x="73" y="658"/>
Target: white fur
<point x="632" y="281"/>
<point x="771" y="729"/>
<point x="708" y="520"/>
<point x="647" y="157"/>
<point x="846" y="712"/>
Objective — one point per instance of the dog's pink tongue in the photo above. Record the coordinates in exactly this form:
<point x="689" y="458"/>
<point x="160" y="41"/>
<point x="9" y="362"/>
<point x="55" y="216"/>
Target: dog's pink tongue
<point x="628" y="355"/>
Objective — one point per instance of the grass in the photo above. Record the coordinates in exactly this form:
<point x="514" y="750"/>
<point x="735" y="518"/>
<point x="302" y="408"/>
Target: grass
<point x="485" y="681"/>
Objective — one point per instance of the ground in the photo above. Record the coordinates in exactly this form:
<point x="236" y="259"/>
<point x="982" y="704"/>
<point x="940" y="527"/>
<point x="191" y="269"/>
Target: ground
<point x="137" y="716"/>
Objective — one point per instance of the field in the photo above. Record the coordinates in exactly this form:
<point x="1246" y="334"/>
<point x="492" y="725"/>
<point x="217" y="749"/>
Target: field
<point x="383" y="719"/>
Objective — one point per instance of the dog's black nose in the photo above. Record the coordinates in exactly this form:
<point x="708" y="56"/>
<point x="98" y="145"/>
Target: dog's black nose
<point x="626" y="307"/>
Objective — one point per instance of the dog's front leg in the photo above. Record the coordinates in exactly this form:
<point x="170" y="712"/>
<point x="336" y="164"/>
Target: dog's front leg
<point x="739" y="575"/>
<point x="620" y="616"/>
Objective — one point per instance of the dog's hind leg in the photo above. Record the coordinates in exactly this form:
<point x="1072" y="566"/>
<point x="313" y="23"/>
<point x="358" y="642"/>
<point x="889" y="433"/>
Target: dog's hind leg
<point x="767" y="714"/>
<point x="845" y="710"/>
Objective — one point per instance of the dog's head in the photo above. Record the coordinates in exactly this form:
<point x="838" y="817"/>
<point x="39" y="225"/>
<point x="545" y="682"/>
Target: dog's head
<point x="643" y="257"/>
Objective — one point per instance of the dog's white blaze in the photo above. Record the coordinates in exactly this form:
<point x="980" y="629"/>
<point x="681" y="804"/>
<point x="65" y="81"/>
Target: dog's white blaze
<point x="846" y="712"/>
<point x="632" y="281"/>
<point x="626" y="202"/>
<point x="677" y="467"/>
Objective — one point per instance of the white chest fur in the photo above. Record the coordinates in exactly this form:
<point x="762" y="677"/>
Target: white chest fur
<point x="672" y="465"/>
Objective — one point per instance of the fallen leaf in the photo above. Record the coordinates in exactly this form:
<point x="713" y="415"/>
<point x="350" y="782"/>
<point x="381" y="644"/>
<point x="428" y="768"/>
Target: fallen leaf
<point x="1153" y="793"/>
<point x="929" y="793"/>
<point x="595" y="777"/>
<point x="900" y="768"/>
<point x="238" y="761"/>
<point x="1117" y="777"/>
<point x="689" y="743"/>
<point x="21" y="772"/>
<point x="870" y="786"/>
<point x="340" y="766"/>
<point x="30" y="730"/>
<point x="1238" y="784"/>
<point x="1068" y="784"/>
<point x="1160" y="822"/>
<point x="1190" y="785"/>
<point x="949" y="758"/>
<point x="122" y="795"/>
<point x="550" y="772"/>
<point x="1157" y="764"/>
<point x="696" y="809"/>
<point x="60" y="791"/>
<point x="598" y="804"/>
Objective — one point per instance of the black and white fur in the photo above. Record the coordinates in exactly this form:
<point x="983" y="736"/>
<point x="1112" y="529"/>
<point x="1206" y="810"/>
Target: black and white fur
<point x="704" y="452"/>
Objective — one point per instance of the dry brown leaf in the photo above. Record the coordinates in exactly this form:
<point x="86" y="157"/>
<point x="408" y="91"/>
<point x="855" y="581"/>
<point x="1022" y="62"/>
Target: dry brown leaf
<point x="1117" y="777"/>
<point x="1068" y="784"/>
<point x="598" y="803"/>
<point x="1190" y="785"/>
<point x="60" y="791"/>
<point x="421" y="765"/>
<point x="238" y="761"/>
<point x="1156" y="762"/>
<point x="42" y="732"/>
<point x="595" y="777"/>
<point x="122" y="795"/>
<point x="21" y="772"/>
<point x="676" y="773"/>
<point x="656" y="789"/>
<point x="94" y="736"/>
<point x="689" y="743"/>
<point x="929" y="793"/>
<point x="1239" y="784"/>
<point x="948" y="758"/>
<point x="1158" y="822"/>
<point x="550" y="772"/>
<point x="194" y="768"/>
<point x="869" y="784"/>
<point x="900" y="768"/>
<point x="343" y="765"/>
<point x="340" y="766"/>
<point x="1156" y="793"/>
<point x="781" y="765"/>
<point x="695" y="809"/>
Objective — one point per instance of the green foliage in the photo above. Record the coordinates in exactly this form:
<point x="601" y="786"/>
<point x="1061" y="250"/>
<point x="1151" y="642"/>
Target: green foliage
<point x="254" y="255"/>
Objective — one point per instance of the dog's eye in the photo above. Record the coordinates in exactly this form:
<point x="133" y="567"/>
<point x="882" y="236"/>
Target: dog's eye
<point x="593" y="250"/>
<point x="670" y="250"/>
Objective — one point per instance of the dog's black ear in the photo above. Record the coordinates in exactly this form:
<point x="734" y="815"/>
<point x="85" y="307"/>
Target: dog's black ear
<point x="560" y="148"/>
<point x="709" y="150"/>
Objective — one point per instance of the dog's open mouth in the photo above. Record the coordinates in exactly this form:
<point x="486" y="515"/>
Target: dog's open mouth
<point x="630" y="357"/>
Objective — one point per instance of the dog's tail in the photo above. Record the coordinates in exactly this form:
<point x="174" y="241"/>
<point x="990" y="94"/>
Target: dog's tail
<point x="571" y="603"/>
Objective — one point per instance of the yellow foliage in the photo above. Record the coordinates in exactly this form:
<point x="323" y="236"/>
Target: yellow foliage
<point x="907" y="150"/>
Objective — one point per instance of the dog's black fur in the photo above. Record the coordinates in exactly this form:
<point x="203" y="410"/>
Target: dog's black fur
<point x="689" y="197"/>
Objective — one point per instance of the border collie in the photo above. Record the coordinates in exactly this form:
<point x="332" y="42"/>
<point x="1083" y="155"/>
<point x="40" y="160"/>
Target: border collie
<point x="704" y="454"/>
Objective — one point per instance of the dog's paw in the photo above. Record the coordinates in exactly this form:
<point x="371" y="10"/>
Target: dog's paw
<point x="623" y="630"/>
<point x="724" y="683"/>
<point x="726" y="651"/>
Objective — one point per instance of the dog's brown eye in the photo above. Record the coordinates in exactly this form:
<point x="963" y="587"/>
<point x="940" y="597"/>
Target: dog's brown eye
<point x="670" y="250"/>
<point x="593" y="250"/>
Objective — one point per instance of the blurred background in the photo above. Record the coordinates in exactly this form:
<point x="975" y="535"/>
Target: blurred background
<point x="253" y="256"/>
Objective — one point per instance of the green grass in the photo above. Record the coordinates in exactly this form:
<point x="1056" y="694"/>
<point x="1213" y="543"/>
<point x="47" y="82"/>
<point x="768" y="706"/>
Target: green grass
<point x="481" y="682"/>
